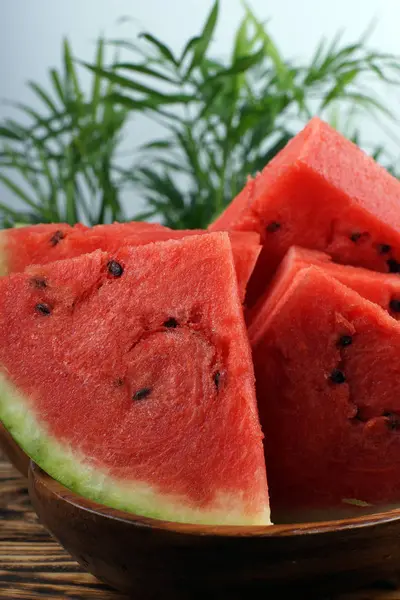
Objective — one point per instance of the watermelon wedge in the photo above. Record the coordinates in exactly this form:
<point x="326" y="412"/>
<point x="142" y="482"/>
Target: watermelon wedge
<point x="320" y="192"/>
<point x="328" y="387"/>
<point x="381" y="288"/>
<point x="21" y="241"/>
<point x="22" y="247"/>
<point x="19" y="245"/>
<point x="128" y="378"/>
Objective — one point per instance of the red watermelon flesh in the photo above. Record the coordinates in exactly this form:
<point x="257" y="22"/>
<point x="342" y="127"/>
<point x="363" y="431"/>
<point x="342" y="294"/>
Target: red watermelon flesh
<point x="18" y="244"/>
<point x="22" y="246"/>
<point x="128" y="377"/>
<point x="328" y="387"/>
<point x="38" y="228"/>
<point x="60" y="242"/>
<point x="246" y="250"/>
<point x="380" y="288"/>
<point x="320" y="192"/>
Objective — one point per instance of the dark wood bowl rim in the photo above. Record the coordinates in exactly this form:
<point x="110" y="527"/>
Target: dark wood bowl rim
<point x="63" y="494"/>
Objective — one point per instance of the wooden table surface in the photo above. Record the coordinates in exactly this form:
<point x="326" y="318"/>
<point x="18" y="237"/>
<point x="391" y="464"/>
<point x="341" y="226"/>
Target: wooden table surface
<point x="33" y="565"/>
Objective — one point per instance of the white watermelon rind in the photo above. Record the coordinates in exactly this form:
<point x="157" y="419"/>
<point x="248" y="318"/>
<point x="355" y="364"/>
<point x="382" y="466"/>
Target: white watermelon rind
<point x="76" y="473"/>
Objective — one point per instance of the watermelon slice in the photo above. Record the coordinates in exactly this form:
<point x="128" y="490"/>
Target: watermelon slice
<point x="21" y="241"/>
<point x="26" y="246"/>
<point x="21" y="246"/>
<point x="128" y="377"/>
<point x="328" y="387"/>
<point x="320" y="192"/>
<point x="381" y="288"/>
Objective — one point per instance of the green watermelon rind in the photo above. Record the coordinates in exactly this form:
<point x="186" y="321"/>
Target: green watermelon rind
<point x="75" y="473"/>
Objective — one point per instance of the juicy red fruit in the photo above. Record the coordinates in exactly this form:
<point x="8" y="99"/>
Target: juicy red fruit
<point x="320" y="192"/>
<point x="330" y="409"/>
<point x="43" y="244"/>
<point x="132" y="370"/>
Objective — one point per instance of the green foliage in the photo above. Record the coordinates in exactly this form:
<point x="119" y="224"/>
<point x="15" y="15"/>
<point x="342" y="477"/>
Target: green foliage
<point x="65" y="155"/>
<point x="221" y="119"/>
<point x="225" y="119"/>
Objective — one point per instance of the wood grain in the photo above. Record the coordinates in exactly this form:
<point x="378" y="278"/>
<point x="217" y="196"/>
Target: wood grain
<point x="33" y="565"/>
<point x="10" y="449"/>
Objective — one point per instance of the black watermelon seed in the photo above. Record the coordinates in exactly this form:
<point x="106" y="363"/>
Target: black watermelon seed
<point x="43" y="309"/>
<point x="38" y="282"/>
<point x="384" y="248"/>
<point x="355" y="237"/>
<point x="217" y="377"/>
<point x="394" y="305"/>
<point x="394" y="266"/>
<point x="115" y="268"/>
<point x="142" y="393"/>
<point x="119" y="382"/>
<point x="56" y="237"/>
<point x="393" y="421"/>
<point x="171" y="322"/>
<point x="273" y="226"/>
<point x="337" y="376"/>
<point x="345" y="340"/>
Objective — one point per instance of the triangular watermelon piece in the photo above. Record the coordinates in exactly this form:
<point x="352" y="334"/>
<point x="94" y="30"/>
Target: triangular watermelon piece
<point x="328" y="387"/>
<point x="381" y="288"/>
<point x="23" y="246"/>
<point x="42" y="244"/>
<point x="320" y="192"/>
<point x="128" y="377"/>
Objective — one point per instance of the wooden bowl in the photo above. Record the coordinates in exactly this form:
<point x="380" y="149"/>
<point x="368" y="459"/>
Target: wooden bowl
<point x="158" y="559"/>
<point x="14" y="453"/>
